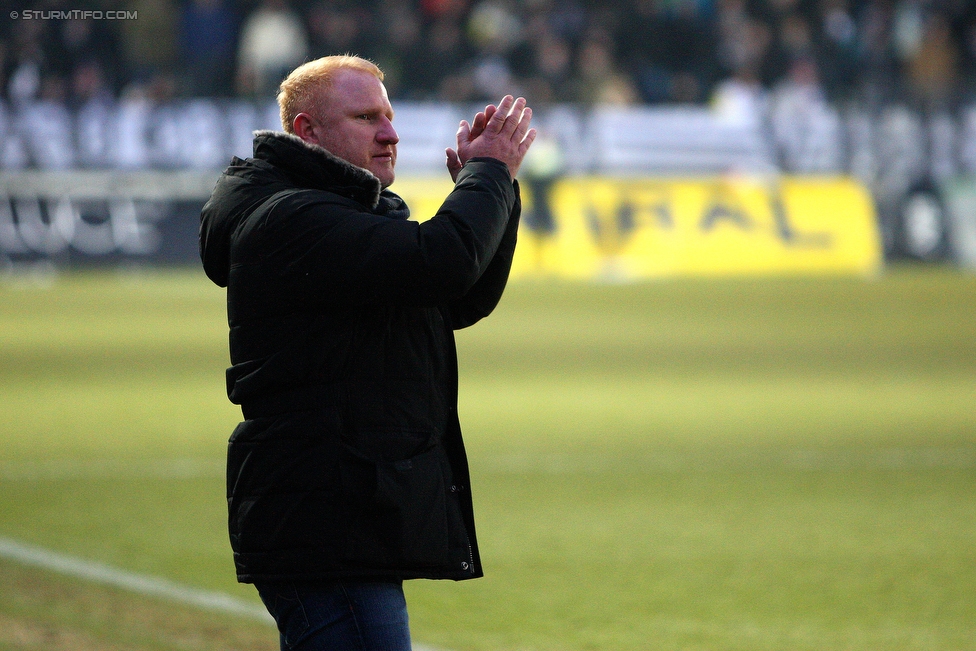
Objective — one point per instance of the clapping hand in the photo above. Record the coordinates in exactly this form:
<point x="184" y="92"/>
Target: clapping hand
<point x="500" y="132"/>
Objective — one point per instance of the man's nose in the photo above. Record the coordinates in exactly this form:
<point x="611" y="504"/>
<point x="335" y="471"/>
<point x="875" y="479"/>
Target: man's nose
<point x="387" y="134"/>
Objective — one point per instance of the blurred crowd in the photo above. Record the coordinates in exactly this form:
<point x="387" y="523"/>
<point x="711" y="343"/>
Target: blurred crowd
<point x="552" y="51"/>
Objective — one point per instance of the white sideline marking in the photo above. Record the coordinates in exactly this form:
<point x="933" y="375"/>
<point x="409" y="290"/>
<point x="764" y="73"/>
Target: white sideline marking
<point x="142" y="584"/>
<point x="139" y="583"/>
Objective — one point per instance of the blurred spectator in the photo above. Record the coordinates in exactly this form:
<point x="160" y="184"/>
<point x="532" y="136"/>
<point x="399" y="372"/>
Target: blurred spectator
<point x="967" y="38"/>
<point x="495" y="30"/>
<point x="775" y="11"/>
<point x="89" y="84"/>
<point x="494" y="26"/>
<point x="691" y="30"/>
<point x="804" y="126"/>
<point x="836" y="45"/>
<point x="434" y="9"/>
<point x="740" y="99"/>
<point x="273" y="40"/>
<point x="544" y="63"/>
<point x="600" y="80"/>
<point x="30" y="55"/>
<point x="94" y="106"/>
<point x="491" y="77"/>
<point x="149" y="43"/>
<point x="46" y="127"/>
<point x="93" y="46"/>
<point x="879" y="79"/>
<point x="932" y="65"/>
<point x="336" y="27"/>
<point x="438" y="66"/>
<point x="669" y="48"/>
<point x="395" y="43"/>
<point x="6" y="26"/>
<point x="540" y="171"/>
<point x="645" y="51"/>
<point x="207" y="43"/>
<point x="793" y="41"/>
<point x="742" y="41"/>
<point x="567" y="18"/>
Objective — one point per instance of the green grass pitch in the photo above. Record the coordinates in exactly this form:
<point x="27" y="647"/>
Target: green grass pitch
<point x="739" y="464"/>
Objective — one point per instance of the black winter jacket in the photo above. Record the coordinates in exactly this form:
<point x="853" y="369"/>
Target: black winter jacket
<point x="349" y="462"/>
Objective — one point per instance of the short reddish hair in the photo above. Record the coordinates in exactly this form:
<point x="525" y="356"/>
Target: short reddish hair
<point x="300" y="88"/>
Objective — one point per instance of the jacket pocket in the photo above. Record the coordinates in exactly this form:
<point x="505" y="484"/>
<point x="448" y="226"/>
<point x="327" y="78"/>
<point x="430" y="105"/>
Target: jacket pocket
<point x="399" y="511"/>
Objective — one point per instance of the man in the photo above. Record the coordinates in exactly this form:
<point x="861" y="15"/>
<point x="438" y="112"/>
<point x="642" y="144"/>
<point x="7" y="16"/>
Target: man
<point x="348" y="474"/>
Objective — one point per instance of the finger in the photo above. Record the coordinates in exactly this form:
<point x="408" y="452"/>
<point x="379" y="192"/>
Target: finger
<point x="522" y="128"/>
<point x="453" y="163"/>
<point x="498" y="118"/>
<point x="515" y="116"/>
<point x="527" y="141"/>
<point x="478" y="126"/>
<point x="482" y="120"/>
<point x="463" y="133"/>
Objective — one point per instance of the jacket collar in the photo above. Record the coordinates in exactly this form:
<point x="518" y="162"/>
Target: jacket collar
<point x="310" y="166"/>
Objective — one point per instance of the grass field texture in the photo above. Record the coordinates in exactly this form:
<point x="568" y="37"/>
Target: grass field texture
<point x="748" y="465"/>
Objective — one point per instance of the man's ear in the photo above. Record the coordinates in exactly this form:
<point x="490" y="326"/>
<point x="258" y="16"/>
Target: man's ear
<point x="304" y="127"/>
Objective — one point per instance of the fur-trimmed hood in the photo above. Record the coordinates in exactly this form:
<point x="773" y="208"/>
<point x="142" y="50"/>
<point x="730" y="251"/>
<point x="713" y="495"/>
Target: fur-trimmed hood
<point x="310" y="166"/>
<point x="281" y="161"/>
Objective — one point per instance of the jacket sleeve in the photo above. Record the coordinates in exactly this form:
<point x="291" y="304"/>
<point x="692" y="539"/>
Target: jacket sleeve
<point x="316" y="246"/>
<point x="484" y="296"/>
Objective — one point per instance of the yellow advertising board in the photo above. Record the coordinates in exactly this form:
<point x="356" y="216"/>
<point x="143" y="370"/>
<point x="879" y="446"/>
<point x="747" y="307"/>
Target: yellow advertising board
<point x="622" y="229"/>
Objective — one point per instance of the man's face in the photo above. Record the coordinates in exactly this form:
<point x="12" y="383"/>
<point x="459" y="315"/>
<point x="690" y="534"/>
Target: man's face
<point x="354" y="122"/>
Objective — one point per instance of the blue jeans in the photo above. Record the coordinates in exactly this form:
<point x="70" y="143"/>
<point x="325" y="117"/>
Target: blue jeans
<point x="339" y="616"/>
